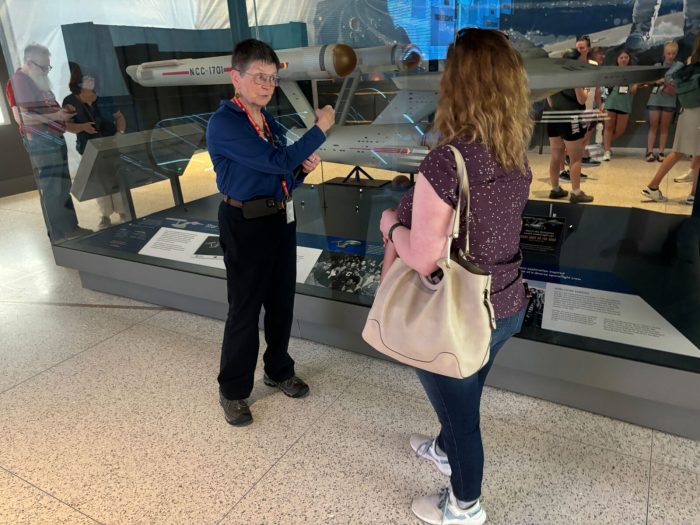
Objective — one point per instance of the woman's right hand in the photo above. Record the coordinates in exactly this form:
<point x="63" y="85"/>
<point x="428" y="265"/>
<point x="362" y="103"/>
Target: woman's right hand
<point x="325" y="118"/>
<point x="88" y="127"/>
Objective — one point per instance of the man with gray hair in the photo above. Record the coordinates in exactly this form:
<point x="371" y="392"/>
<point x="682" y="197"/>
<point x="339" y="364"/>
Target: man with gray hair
<point x="42" y="125"/>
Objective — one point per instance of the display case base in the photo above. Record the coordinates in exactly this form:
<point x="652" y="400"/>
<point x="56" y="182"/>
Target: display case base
<point x="645" y="394"/>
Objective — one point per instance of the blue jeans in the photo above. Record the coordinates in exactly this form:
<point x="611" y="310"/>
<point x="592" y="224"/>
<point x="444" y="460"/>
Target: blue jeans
<point x="49" y="157"/>
<point x="457" y="403"/>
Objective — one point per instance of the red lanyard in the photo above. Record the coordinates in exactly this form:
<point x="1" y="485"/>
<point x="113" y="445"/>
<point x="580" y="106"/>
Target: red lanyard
<point x="254" y="124"/>
<point x="260" y="133"/>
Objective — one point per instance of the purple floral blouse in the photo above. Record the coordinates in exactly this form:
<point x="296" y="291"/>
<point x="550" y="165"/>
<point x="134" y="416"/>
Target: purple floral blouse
<point x="497" y="201"/>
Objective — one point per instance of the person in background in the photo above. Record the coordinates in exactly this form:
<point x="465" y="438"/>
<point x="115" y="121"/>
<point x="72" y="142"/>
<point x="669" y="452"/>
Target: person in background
<point x="594" y="102"/>
<point x="662" y="104"/>
<point x="685" y="142"/>
<point x="42" y="126"/>
<point x="84" y="99"/>
<point x="618" y="106"/>
<point x="257" y="173"/>
<point x="568" y="137"/>
<point x="486" y="117"/>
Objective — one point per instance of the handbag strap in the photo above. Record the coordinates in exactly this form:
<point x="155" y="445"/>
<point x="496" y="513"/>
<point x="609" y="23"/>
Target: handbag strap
<point x="463" y="177"/>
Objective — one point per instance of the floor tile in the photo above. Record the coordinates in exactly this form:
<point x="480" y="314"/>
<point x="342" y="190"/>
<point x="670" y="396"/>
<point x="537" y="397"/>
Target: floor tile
<point x="27" y="251"/>
<point x="531" y="477"/>
<point x="7" y="275"/>
<point x="676" y="451"/>
<point x="335" y="360"/>
<point x="26" y="202"/>
<point x="34" y="338"/>
<point x="394" y="377"/>
<point x="132" y="432"/>
<point x="62" y="286"/>
<point x="339" y="472"/>
<point x="14" y="220"/>
<point x="22" y="504"/>
<point x="354" y="466"/>
<point x="673" y="496"/>
<point x="189" y="324"/>
<point x="570" y="423"/>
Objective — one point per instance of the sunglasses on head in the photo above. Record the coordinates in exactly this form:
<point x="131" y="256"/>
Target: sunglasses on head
<point x="466" y="30"/>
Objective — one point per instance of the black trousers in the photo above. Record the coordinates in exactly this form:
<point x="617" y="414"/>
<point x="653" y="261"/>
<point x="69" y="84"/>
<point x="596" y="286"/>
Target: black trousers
<point x="260" y="258"/>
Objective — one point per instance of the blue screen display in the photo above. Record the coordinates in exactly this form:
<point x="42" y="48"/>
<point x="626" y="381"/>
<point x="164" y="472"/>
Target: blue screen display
<point x="432" y="24"/>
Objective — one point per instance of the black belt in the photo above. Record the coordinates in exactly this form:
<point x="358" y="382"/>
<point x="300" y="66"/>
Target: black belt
<point x="238" y="204"/>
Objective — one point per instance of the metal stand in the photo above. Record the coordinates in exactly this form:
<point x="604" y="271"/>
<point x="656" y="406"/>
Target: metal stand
<point x="356" y="172"/>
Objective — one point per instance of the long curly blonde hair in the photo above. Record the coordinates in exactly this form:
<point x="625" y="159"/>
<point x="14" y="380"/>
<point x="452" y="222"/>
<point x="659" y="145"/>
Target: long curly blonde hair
<point x="484" y="97"/>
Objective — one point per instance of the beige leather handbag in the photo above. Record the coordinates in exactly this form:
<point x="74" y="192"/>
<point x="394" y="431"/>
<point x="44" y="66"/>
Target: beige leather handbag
<point x="442" y="327"/>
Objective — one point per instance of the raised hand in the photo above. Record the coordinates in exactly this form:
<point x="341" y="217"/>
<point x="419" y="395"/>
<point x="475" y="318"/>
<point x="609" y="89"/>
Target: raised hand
<point x="325" y="118"/>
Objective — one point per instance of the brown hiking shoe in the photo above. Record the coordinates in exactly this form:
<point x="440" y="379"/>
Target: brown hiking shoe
<point x="236" y="411"/>
<point x="292" y="387"/>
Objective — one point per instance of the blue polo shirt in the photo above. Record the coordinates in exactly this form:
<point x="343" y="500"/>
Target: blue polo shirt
<point x="247" y="166"/>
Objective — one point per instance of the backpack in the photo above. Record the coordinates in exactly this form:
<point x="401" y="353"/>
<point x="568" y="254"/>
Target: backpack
<point x="687" y="81"/>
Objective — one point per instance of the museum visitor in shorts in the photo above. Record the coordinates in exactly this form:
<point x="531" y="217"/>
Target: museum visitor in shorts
<point x="257" y="173"/>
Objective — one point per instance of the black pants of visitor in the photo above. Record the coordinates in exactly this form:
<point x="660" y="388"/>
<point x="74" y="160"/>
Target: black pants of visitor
<point x="260" y="258"/>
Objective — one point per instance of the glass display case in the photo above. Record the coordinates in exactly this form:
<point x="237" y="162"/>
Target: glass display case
<point x="133" y="182"/>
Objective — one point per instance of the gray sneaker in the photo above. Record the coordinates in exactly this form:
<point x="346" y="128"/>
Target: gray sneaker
<point x="580" y="198"/>
<point x="292" y="387"/>
<point x="236" y="411"/>
<point x="425" y="448"/>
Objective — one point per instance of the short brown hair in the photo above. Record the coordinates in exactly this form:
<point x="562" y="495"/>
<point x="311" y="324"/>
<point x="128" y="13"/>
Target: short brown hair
<point x="251" y="50"/>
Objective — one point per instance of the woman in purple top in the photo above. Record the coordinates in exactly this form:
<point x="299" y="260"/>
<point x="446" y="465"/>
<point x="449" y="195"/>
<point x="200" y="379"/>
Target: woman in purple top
<point x="483" y="110"/>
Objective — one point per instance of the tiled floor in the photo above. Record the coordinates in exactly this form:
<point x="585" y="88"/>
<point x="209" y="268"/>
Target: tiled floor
<point x="109" y="414"/>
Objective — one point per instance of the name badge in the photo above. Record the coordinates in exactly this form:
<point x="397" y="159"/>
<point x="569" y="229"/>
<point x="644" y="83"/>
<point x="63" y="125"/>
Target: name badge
<point x="624" y="90"/>
<point x="290" y="211"/>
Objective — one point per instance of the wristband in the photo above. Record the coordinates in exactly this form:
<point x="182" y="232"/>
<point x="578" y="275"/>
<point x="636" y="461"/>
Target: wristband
<point x="391" y="231"/>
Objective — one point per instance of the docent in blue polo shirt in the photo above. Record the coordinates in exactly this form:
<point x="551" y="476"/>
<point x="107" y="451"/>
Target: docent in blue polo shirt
<point x="257" y="173"/>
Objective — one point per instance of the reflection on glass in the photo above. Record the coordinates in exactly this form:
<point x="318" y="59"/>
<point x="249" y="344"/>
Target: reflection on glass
<point x="379" y="63"/>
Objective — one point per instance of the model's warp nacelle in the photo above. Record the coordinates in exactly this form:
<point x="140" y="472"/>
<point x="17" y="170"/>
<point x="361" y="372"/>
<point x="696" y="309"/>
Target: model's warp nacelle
<point x="397" y="57"/>
<point x="396" y="147"/>
<point x="329" y="61"/>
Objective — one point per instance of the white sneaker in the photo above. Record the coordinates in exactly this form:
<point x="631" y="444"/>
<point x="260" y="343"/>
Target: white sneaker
<point x="424" y="447"/>
<point x="607" y="155"/>
<point x="442" y="509"/>
<point x="654" y="195"/>
<point x="688" y="177"/>
<point x="690" y="200"/>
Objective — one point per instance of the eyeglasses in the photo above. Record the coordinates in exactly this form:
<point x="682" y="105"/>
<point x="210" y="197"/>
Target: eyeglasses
<point x="466" y="30"/>
<point x="45" y="69"/>
<point x="584" y="37"/>
<point x="261" y="79"/>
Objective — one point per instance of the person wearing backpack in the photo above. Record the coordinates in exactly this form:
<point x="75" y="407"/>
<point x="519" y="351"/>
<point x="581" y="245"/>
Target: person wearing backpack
<point x="687" y="139"/>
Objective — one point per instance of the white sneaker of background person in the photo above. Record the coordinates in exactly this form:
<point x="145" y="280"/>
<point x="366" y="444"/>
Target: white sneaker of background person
<point x="427" y="448"/>
<point x="688" y="177"/>
<point x="654" y="195"/>
<point x="444" y="508"/>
